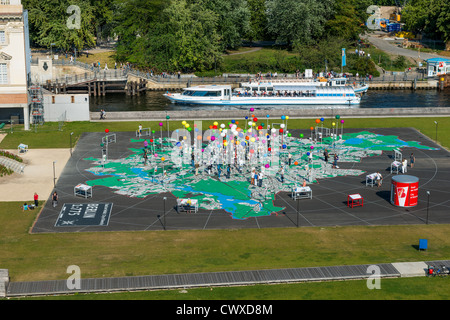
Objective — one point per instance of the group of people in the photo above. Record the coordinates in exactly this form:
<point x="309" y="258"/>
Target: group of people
<point x="35" y="203"/>
<point x="278" y="93"/>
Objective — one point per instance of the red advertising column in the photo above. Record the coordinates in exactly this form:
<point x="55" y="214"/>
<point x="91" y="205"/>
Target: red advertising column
<point x="404" y="191"/>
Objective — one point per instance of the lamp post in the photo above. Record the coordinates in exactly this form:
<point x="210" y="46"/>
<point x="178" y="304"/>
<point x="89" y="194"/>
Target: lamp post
<point x="436" y="123"/>
<point x="54" y="175"/>
<point x="164" y="217"/>
<point x="71" y="143"/>
<point x="428" y="204"/>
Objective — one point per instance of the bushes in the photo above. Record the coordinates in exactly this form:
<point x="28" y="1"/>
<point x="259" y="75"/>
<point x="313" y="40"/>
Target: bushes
<point x="4" y="171"/>
<point x="10" y="155"/>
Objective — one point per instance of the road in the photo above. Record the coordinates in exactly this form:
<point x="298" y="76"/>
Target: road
<point x="389" y="47"/>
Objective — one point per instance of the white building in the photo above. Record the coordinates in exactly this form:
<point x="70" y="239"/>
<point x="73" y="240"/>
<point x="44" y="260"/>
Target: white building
<point x="13" y="62"/>
<point x="438" y="66"/>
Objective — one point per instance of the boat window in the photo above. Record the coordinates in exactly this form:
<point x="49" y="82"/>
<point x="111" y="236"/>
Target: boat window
<point x="212" y="94"/>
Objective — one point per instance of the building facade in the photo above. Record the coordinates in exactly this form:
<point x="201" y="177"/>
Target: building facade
<point x="13" y="62"/>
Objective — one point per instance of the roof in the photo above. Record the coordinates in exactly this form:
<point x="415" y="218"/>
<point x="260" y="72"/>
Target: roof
<point x="438" y="60"/>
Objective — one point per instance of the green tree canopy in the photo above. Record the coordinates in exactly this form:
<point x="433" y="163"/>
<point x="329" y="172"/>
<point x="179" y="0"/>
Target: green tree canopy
<point x="298" y="22"/>
<point x="428" y="16"/>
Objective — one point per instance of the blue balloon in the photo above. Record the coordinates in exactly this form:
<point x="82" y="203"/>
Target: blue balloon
<point x="246" y="117"/>
<point x="307" y="153"/>
<point x="284" y="146"/>
<point x="233" y="121"/>
<point x="322" y="119"/>
<point x="267" y="116"/>
<point x="283" y="117"/>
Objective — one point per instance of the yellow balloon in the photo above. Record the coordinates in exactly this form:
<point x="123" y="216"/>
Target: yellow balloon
<point x="216" y="123"/>
<point x="162" y="159"/>
<point x="183" y="123"/>
<point x="187" y="125"/>
<point x="333" y="124"/>
<point x="287" y="117"/>
<point x="225" y="143"/>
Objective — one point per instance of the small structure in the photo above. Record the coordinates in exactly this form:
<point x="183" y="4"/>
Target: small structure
<point x="301" y="193"/>
<point x="438" y="66"/>
<point x="355" y="200"/>
<point x="83" y="190"/>
<point x="185" y="205"/>
<point x="404" y="191"/>
<point x="22" y="148"/>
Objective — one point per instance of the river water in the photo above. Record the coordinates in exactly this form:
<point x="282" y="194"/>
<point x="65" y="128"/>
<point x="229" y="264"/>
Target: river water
<point x="154" y="101"/>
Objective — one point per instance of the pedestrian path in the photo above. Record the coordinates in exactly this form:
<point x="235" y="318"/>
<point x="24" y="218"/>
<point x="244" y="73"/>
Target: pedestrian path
<point x="230" y="278"/>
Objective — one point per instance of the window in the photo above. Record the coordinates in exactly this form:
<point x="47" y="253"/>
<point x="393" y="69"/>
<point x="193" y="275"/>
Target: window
<point x="72" y="98"/>
<point x="3" y="74"/>
<point x="5" y="2"/>
<point x="2" y="37"/>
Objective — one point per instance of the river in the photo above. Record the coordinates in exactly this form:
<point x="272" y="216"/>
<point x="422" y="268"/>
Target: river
<point x="154" y="101"/>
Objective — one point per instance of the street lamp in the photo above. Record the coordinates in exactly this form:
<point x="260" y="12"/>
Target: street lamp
<point x="71" y="143"/>
<point x="436" y="123"/>
<point x="428" y="203"/>
<point x="164" y="217"/>
<point x="54" y="175"/>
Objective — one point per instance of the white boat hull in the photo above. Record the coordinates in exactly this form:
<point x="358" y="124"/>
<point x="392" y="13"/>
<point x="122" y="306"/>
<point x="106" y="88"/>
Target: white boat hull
<point x="253" y="101"/>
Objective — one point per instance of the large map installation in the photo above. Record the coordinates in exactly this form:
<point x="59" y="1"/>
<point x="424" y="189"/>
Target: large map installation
<point x="218" y="168"/>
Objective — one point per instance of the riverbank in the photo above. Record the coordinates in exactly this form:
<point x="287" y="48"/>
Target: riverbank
<point x="303" y="113"/>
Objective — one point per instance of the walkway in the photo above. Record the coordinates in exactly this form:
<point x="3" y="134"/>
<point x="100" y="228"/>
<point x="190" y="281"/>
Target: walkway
<point x="387" y="46"/>
<point x="231" y="278"/>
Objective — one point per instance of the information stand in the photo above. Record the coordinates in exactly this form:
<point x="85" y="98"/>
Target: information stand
<point x="395" y="166"/>
<point x="83" y="190"/>
<point x="183" y="205"/>
<point x="301" y="193"/>
<point x="355" y="200"/>
<point x="22" y="148"/>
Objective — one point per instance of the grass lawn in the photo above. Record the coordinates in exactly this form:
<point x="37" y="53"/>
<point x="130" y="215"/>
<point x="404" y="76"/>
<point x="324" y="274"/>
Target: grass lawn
<point x="48" y="136"/>
<point x="102" y="57"/>
<point x="32" y="257"/>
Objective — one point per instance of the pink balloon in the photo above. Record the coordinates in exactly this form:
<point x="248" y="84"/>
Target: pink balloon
<point x="267" y="165"/>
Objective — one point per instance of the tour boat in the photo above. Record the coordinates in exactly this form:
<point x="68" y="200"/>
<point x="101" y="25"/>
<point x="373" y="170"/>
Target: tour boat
<point x="274" y="94"/>
<point x="321" y="82"/>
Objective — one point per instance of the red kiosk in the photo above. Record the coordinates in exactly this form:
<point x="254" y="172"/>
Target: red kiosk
<point x="404" y="191"/>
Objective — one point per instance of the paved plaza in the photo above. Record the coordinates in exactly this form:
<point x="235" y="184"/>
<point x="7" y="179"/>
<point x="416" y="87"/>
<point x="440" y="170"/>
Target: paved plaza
<point x="123" y="193"/>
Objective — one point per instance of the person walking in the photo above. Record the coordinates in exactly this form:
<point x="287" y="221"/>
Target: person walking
<point x="335" y="160"/>
<point x="36" y="201"/>
<point x="412" y="160"/>
<point x="54" y="199"/>
<point x="325" y="155"/>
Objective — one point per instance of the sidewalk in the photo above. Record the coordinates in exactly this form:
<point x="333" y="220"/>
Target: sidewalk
<point x="37" y="176"/>
<point x="231" y="278"/>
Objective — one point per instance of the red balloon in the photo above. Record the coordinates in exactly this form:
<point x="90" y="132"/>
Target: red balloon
<point x="281" y="130"/>
<point x="255" y="119"/>
<point x="269" y="149"/>
<point x="106" y="130"/>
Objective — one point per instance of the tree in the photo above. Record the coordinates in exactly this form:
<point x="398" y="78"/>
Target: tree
<point x="49" y="24"/>
<point x="428" y="16"/>
<point x="258" y="20"/>
<point x="171" y="36"/>
<point x="298" y="22"/>
<point x="232" y="23"/>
